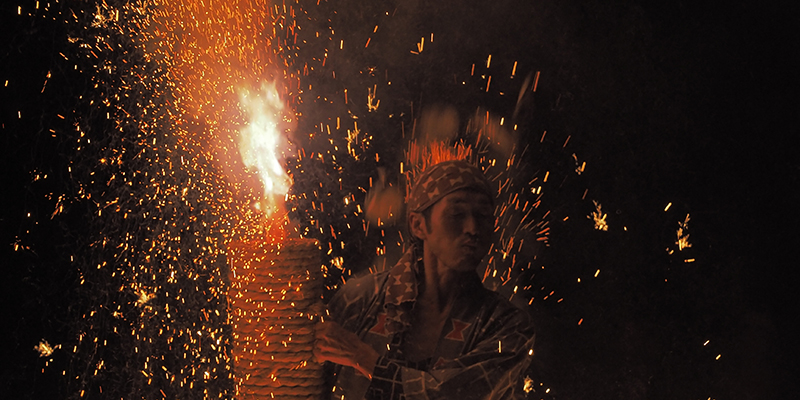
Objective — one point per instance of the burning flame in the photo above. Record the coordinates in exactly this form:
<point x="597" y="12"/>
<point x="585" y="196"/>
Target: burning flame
<point x="261" y="143"/>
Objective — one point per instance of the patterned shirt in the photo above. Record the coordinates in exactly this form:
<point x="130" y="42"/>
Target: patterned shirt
<point x="485" y="345"/>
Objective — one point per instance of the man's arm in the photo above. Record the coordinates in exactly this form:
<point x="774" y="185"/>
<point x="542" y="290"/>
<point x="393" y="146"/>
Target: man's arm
<point x="490" y="370"/>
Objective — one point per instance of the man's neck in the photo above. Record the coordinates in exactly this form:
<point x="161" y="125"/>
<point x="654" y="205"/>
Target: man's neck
<point x="441" y="286"/>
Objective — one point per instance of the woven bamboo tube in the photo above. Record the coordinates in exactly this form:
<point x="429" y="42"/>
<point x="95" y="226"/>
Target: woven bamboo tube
<point x="275" y="290"/>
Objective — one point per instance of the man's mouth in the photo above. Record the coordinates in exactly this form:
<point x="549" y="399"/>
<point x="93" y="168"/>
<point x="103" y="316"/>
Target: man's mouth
<point x="470" y="245"/>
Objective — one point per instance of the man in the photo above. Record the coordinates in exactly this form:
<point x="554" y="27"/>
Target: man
<point x="427" y="328"/>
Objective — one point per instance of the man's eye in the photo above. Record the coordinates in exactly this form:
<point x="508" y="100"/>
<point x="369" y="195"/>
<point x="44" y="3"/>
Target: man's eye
<point x="485" y="216"/>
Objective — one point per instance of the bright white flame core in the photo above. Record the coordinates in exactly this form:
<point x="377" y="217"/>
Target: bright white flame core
<point x="260" y="141"/>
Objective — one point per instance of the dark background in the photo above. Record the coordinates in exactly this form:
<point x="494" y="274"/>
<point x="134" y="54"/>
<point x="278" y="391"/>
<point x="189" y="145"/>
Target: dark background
<point x="669" y="102"/>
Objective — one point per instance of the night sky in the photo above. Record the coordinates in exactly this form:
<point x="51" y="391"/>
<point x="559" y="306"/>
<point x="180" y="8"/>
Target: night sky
<point x="685" y="104"/>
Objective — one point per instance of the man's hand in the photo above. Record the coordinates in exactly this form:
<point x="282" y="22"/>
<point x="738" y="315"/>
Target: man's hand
<point x="337" y="345"/>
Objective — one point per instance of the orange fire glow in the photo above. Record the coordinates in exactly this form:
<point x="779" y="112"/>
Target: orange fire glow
<point x="218" y="56"/>
<point x="260" y="144"/>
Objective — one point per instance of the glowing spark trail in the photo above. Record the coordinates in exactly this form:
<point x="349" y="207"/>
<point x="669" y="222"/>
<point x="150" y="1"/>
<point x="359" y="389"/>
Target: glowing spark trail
<point x="683" y="237"/>
<point x="599" y="217"/>
<point x="528" y="385"/>
<point x="44" y="349"/>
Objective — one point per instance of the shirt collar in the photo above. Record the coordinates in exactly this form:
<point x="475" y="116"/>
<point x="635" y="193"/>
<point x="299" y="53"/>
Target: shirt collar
<point x="402" y="291"/>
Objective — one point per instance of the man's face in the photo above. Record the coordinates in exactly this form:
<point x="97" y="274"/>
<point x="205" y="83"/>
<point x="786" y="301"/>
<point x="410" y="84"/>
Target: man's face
<point x="460" y="229"/>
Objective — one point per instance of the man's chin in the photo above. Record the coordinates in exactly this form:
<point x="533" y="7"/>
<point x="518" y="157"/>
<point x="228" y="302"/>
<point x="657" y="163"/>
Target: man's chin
<point x="469" y="262"/>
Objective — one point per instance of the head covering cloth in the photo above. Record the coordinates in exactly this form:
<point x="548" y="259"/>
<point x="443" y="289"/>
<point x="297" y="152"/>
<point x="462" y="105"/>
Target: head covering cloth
<point x="444" y="178"/>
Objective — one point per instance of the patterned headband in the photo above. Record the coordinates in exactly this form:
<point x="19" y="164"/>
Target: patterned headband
<point x="444" y="178"/>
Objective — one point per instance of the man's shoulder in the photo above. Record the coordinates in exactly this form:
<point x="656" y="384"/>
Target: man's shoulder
<point x="503" y="304"/>
<point x="487" y="298"/>
<point x="501" y="308"/>
<point x="356" y="295"/>
<point x="364" y="284"/>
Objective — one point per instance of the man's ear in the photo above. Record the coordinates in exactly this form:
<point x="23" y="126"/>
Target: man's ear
<point x="417" y="226"/>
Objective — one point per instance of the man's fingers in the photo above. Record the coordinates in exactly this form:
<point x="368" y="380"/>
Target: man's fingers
<point x="328" y="349"/>
<point x="333" y="332"/>
<point x="338" y="345"/>
<point x="326" y="354"/>
<point x="333" y="347"/>
<point x="320" y="330"/>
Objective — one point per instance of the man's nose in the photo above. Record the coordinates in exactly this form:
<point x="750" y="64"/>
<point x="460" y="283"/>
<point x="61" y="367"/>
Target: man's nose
<point x="471" y="225"/>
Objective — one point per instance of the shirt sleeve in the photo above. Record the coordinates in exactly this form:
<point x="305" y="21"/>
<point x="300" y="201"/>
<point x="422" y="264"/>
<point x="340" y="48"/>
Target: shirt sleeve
<point x="350" y="306"/>
<point x="491" y="370"/>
